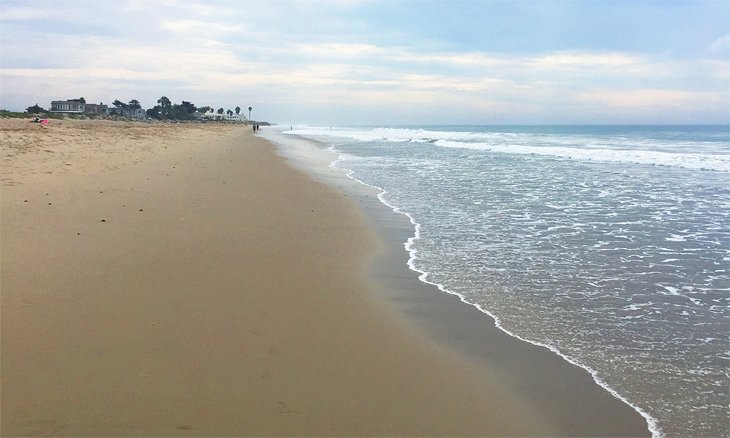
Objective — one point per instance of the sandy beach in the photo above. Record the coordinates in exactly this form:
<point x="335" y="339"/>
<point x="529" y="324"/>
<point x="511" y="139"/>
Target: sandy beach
<point x="184" y="280"/>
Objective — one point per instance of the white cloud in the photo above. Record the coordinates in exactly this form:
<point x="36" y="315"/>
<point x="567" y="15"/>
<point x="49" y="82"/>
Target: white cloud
<point x="720" y="46"/>
<point x="645" y="98"/>
<point x="335" y="50"/>
<point x="452" y="83"/>
<point x="193" y="8"/>
<point x="468" y="59"/>
<point x="586" y="60"/>
<point x="197" y="27"/>
<point x="22" y="13"/>
<point x="267" y="51"/>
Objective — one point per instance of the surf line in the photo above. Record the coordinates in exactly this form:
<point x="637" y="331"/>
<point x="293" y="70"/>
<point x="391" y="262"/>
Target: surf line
<point x="652" y="424"/>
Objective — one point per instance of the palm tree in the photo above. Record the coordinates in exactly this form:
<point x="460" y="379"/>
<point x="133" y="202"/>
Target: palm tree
<point x="249" y="113"/>
<point x="238" y="110"/>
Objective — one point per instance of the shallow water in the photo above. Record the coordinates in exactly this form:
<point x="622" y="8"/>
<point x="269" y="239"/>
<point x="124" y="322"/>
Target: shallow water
<point x="610" y="245"/>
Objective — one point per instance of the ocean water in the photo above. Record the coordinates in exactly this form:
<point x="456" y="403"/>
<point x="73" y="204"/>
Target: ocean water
<point x="610" y="245"/>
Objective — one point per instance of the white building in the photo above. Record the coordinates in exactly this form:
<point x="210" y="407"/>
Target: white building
<point x="73" y="106"/>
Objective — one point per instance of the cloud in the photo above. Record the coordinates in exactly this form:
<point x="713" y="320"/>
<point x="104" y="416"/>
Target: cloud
<point x="720" y="46"/>
<point x="23" y="13"/>
<point x="297" y="52"/>
<point x="452" y="83"/>
<point x="193" y="8"/>
<point x="586" y="60"/>
<point x="647" y="98"/>
<point x="336" y="50"/>
<point x="200" y="27"/>
<point x="468" y="59"/>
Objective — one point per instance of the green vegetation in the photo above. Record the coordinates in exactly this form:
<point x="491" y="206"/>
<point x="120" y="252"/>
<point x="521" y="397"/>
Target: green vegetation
<point x="26" y="115"/>
<point x="164" y="110"/>
<point x="119" y="104"/>
<point x="13" y="114"/>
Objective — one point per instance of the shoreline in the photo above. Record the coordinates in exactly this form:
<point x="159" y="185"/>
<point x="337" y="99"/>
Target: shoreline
<point x="652" y="424"/>
<point x="449" y="319"/>
<point x="187" y="281"/>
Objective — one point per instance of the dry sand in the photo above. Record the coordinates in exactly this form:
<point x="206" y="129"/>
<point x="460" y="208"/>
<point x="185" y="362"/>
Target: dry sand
<point x="183" y="280"/>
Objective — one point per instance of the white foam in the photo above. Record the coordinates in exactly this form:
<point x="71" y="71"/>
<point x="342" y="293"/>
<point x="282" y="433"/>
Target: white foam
<point x="637" y="306"/>
<point x="657" y="158"/>
<point x="565" y="146"/>
<point x="670" y="290"/>
<point x="652" y="424"/>
<point x="417" y="136"/>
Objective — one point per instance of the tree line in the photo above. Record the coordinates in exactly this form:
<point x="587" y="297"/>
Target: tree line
<point x="164" y="110"/>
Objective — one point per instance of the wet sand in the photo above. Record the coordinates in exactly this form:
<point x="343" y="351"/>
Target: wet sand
<point x="184" y="280"/>
<point x="562" y="395"/>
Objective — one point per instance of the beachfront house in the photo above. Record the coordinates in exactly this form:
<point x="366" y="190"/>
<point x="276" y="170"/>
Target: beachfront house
<point x="210" y="114"/>
<point x="71" y="106"/>
<point x="97" y="109"/>
<point x="233" y="117"/>
<point x="135" y="113"/>
<point x="132" y="113"/>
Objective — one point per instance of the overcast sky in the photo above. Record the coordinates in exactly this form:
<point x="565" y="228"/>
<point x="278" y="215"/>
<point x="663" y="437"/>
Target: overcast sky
<point x="378" y="62"/>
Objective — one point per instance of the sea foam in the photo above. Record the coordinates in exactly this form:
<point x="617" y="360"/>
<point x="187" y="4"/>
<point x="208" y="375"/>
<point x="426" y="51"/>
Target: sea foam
<point x="619" y="149"/>
<point x="621" y="268"/>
